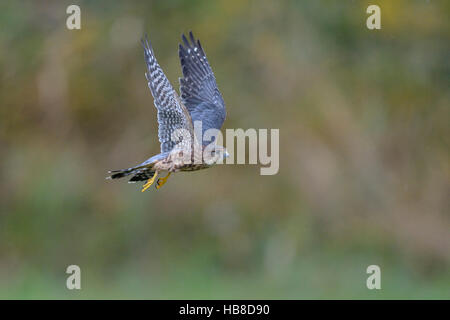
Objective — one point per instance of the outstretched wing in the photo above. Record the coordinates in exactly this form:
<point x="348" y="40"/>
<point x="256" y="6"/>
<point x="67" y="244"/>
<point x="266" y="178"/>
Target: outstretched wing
<point x="172" y="114"/>
<point x="198" y="86"/>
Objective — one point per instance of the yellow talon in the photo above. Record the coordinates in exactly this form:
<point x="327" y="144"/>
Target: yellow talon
<point x="149" y="182"/>
<point x="161" y="181"/>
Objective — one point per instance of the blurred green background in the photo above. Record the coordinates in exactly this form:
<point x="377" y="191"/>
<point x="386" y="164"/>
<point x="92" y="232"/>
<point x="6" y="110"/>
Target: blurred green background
<point x="364" y="152"/>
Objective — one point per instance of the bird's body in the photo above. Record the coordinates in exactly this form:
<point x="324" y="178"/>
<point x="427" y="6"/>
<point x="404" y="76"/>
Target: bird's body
<point x="200" y="101"/>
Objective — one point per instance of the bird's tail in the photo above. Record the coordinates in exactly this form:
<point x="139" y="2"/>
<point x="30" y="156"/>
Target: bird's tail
<point x="140" y="172"/>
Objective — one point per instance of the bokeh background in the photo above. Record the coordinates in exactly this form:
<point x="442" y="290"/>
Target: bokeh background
<point x="364" y="152"/>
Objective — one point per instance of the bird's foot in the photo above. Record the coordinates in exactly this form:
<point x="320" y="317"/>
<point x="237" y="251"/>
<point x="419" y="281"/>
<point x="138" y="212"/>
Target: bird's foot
<point x="149" y="182"/>
<point x="162" y="181"/>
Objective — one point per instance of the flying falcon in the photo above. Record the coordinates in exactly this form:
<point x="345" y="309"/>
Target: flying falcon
<point x="181" y="148"/>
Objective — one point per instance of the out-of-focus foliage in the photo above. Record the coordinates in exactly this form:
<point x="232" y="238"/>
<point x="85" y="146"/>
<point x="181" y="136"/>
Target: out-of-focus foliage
<point x="364" y="152"/>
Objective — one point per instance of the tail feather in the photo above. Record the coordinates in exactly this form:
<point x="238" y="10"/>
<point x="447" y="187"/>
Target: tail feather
<point x="139" y="171"/>
<point x="142" y="176"/>
<point x="117" y="174"/>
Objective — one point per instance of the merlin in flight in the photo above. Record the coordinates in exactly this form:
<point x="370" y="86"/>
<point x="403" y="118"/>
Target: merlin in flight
<point x="201" y="101"/>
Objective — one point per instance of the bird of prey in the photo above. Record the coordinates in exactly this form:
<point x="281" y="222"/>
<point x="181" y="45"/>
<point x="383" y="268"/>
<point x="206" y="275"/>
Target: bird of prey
<point x="200" y="101"/>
